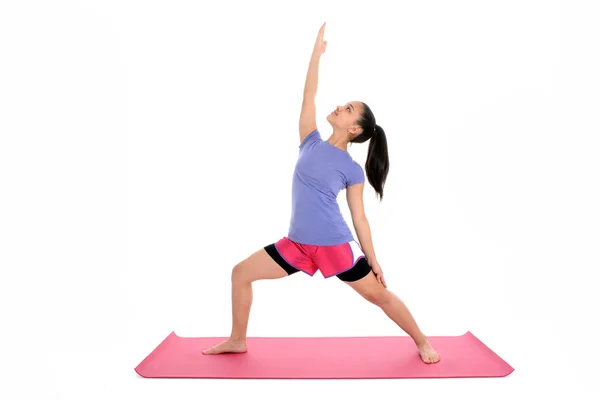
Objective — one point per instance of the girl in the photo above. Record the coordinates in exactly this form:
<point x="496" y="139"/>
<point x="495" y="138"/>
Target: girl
<point x="318" y="237"/>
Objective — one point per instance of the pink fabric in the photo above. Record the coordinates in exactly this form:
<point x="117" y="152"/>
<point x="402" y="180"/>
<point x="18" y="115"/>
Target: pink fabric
<point x="330" y="260"/>
<point x="323" y="358"/>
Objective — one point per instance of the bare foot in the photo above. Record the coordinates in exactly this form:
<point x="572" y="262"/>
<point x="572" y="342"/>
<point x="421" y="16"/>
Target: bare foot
<point x="228" y="346"/>
<point x="428" y="354"/>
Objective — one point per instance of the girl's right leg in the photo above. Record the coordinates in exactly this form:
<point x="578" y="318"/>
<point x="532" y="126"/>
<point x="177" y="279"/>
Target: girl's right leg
<point x="260" y="265"/>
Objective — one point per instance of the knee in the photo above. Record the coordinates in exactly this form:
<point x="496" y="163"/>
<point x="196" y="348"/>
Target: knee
<point x="237" y="273"/>
<point x="240" y="274"/>
<point x="378" y="297"/>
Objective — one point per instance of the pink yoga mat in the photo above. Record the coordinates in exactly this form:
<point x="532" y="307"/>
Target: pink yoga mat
<point x="377" y="357"/>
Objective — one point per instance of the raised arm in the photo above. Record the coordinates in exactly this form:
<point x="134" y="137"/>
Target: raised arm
<point x="308" y="114"/>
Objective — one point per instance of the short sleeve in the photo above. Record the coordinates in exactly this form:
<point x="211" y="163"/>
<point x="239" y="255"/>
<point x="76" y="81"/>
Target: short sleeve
<point x="356" y="175"/>
<point x="312" y="137"/>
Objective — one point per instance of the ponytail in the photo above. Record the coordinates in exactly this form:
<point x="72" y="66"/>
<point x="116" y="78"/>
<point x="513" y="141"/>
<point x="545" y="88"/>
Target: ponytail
<point x="377" y="165"/>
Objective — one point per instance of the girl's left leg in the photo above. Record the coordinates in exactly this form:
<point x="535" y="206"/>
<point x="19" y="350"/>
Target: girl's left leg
<point x="369" y="288"/>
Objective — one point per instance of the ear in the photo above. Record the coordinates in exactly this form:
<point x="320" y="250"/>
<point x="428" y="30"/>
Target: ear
<point x="354" y="131"/>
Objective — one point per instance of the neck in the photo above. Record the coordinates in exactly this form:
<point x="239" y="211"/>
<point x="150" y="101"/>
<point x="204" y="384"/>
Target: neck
<point x="337" y="139"/>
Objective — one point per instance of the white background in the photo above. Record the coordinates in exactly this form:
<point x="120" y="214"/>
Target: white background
<point x="148" y="146"/>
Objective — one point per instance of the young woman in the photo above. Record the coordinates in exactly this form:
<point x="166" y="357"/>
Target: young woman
<point x="319" y="238"/>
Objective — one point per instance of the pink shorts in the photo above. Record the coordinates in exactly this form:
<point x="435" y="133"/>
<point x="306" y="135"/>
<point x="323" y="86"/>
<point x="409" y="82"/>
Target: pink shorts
<point x="330" y="260"/>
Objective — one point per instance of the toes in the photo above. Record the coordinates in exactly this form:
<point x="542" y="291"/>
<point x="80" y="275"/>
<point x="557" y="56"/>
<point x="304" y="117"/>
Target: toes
<point x="430" y="358"/>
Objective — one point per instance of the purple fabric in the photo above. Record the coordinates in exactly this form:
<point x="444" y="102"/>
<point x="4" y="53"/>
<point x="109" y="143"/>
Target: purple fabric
<point x="321" y="172"/>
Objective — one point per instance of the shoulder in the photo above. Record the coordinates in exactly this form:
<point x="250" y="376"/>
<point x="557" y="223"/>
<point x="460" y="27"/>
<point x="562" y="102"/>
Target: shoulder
<point x="356" y="166"/>
<point x="312" y="137"/>
<point x="356" y="174"/>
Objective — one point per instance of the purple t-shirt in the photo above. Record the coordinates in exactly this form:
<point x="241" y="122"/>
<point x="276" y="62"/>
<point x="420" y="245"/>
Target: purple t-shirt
<point x="321" y="172"/>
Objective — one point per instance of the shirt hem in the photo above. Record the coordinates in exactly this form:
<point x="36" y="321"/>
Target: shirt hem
<point x="347" y="239"/>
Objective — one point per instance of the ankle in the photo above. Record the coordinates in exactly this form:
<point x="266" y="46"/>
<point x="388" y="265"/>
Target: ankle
<point x="237" y="339"/>
<point x="421" y="340"/>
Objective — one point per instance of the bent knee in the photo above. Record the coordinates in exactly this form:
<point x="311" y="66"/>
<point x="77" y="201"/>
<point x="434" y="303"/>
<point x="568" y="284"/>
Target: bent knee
<point x="238" y="274"/>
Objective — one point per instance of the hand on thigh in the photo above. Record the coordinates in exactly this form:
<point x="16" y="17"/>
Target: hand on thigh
<point x="370" y="288"/>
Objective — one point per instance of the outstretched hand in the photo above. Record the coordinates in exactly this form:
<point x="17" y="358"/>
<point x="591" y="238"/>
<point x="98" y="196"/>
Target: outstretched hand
<point x="321" y="44"/>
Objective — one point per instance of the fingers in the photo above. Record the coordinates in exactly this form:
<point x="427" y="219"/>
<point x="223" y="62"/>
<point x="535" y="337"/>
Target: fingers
<point x="381" y="279"/>
<point x="322" y="30"/>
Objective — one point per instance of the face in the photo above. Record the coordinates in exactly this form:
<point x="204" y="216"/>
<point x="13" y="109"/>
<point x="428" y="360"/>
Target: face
<point x="344" y="117"/>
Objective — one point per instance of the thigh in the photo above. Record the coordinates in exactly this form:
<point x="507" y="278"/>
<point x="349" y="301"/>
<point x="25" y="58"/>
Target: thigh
<point x="346" y="261"/>
<point x="257" y="266"/>
<point x="358" y="273"/>
<point x="369" y="287"/>
<point x="292" y="256"/>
